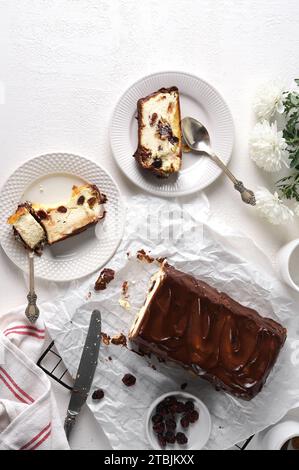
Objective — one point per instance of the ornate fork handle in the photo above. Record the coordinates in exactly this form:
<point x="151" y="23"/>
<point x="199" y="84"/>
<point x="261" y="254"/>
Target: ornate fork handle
<point x="32" y="311"/>
<point x="246" y="194"/>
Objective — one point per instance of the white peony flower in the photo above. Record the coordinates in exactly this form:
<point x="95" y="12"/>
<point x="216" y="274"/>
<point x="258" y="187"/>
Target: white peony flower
<point x="296" y="210"/>
<point x="268" y="100"/>
<point x="267" y="147"/>
<point x="271" y="207"/>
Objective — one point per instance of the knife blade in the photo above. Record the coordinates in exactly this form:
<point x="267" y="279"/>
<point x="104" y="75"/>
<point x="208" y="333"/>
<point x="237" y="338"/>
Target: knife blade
<point x="85" y="372"/>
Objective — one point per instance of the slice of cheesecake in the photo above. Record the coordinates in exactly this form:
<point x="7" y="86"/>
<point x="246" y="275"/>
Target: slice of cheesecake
<point x="27" y="228"/>
<point x="84" y="209"/>
<point x="39" y="224"/>
<point x="159" y="132"/>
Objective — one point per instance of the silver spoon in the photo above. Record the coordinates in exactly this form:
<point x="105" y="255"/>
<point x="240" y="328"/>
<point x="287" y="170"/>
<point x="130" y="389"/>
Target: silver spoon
<point x="32" y="311"/>
<point x="197" y="138"/>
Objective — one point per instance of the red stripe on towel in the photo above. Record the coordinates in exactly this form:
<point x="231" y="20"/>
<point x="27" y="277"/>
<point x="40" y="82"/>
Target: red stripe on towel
<point x="12" y="390"/>
<point x="35" y="438"/>
<point x="27" y="327"/>
<point x="16" y="386"/>
<point x="41" y="441"/>
<point x="24" y="333"/>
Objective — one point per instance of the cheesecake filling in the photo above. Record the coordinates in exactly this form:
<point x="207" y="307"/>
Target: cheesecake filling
<point x="60" y="221"/>
<point x="160" y="134"/>
<point x="27" y="227"/>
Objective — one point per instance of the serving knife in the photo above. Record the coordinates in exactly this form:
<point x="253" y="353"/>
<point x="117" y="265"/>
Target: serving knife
<point x="85" y="373"/>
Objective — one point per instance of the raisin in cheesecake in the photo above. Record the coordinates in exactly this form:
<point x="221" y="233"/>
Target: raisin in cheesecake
<point x="37" y="223"/>
<point x="186" y="321"/>
<point x="159" y="132"/>
<point x="27" y="228"/>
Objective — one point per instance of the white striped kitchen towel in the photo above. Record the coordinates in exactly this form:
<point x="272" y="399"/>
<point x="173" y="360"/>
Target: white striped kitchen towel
<point x="29" y="418"/>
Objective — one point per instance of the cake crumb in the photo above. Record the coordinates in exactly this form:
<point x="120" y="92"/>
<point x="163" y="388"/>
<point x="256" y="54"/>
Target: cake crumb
<point x="105" y="338"/>
<point x="186" y="148"/>
<point x="124" y="304"/>
<point x="125" y="288"/>
<point x="106" y="276"/>
<point x="119" y="339"/>
<point x="161" y="259"/>
<point x="143" y="256"/>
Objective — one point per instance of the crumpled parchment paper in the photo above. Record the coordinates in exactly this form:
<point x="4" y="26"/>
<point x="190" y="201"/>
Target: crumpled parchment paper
<point x="227" y="260"/>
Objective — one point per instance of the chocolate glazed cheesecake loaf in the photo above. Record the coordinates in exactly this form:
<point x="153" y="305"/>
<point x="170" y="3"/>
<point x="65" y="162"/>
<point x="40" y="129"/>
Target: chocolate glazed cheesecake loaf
<point x="189" y="322"/>
<point x="159" y="132"/>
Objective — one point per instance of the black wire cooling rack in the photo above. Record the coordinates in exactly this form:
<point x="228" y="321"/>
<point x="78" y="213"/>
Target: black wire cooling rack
<point x="52" y="364"/>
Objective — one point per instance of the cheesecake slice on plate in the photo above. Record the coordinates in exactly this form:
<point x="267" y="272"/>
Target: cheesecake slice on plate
<point x="84" y="209"/>
<point x="38" y="224"/>
<point x="159" y="132"/>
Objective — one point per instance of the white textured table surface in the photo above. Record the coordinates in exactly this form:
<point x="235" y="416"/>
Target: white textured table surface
<point x="64" y="63"/>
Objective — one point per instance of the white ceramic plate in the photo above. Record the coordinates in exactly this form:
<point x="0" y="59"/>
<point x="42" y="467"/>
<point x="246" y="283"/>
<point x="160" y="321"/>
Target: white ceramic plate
<point x="199" y="100"/>
<point x="49" y="179"/>
<point x="198" y="433"/>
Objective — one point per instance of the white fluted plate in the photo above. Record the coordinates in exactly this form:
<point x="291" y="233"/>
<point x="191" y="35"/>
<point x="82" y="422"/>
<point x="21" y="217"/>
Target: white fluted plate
<point x="49" y="179"/>
<point x="199" y="100"/>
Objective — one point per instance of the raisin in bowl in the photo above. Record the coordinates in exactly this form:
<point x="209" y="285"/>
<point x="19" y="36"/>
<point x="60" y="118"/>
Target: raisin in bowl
<point x="178" y="421"/>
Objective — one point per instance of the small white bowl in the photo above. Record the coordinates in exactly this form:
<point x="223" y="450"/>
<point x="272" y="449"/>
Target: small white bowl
<point x="285" y="257"/>
<point x="198" y="433"/>
<point x="276" y="436"/>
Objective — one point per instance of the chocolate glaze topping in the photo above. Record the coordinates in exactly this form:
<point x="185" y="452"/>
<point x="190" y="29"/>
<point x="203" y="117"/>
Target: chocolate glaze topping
<point x="206" y="331"/>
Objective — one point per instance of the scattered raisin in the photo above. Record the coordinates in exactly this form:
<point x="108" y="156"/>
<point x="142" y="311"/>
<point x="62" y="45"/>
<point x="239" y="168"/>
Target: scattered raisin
<point x="189" y="406"/>
<point x="98" y="394"/>
<point x="183" y="386"/>
<point x="170" y="437"/>
<point x="168" y="401"/>
<point x="162" y="409"/>
<point x="81" y="200"/>
<point x="162" y="440"/>
<point x="157" y="418"/>
<point x="129" y="380"/>
<point x="159" y="428"/>
<point x="170" y="424"/>
<point x="181" y="438"/>
<point x="193" y="416"/>
<point x="185" y="421"/>
<point x="180" y="408"/>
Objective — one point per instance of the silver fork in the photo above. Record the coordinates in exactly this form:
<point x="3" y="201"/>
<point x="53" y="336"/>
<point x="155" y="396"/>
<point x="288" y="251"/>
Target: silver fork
<point x="32" y="311"/>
